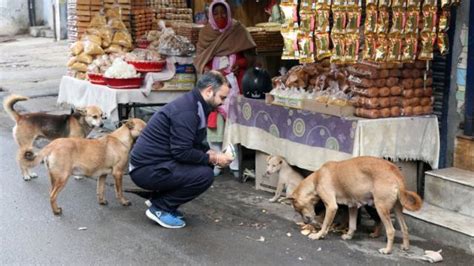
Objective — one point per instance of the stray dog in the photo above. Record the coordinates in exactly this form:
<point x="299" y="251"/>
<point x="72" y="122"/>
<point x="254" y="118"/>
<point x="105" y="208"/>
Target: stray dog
<point x="357" y="182"/>
<point x="90" y="157"/>
<point x="288" y="178"/>
<point x="32" y="126"/>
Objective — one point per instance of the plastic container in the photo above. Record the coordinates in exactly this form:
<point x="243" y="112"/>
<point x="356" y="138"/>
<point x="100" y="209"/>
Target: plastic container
<point x="95" y="78"/>
<point x="128" y="83"/>
<point x="148" y="66"/>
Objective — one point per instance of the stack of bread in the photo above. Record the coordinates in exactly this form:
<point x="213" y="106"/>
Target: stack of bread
<point x="391" y="90"/>
<point x="103" y="36"/>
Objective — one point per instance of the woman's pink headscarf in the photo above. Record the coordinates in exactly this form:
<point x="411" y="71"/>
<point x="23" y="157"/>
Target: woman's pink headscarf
<point x="211" y="16"/>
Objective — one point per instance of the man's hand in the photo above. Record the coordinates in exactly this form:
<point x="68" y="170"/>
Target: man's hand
<point x="219" y="159"/>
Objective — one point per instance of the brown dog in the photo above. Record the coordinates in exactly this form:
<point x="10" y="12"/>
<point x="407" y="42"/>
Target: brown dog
<point x="356" y="182"/>
<point x="90" y="157"/>
<point x="32" y="126"/>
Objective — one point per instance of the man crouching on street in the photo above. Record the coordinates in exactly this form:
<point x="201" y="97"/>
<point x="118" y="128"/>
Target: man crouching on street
<point x="171" y="158"/>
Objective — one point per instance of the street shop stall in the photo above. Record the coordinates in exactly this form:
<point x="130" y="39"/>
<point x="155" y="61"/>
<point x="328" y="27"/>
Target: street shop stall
<point x="363" y="86"/>
<point x="127" y="54"/>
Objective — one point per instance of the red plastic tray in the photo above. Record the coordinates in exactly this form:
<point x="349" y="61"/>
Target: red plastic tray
<point x="148" y="66"/>
<point x="96" y="78"/>
<point x="130" y="83"/>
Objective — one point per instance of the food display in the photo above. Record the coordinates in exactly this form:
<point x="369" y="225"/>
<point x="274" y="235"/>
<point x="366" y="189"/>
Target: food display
<point x="145" y="60"/>
<point x="121" y="75"/>
<point x="174" y="45"/>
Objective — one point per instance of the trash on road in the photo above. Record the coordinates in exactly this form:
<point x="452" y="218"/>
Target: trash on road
<point x="82" y="228"/>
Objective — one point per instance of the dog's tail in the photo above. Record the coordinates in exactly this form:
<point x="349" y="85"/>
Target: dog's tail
<point x="8" y="104"/>
<point x="32" y="159"/>
<point x="409" y="199"/>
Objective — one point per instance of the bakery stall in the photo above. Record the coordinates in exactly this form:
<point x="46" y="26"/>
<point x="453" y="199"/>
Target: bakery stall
<point x="126" y="54"/>
<point x="363" y="86"/>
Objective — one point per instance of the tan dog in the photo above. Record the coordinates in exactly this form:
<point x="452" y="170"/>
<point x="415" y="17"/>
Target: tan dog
<point x="90" y="157"/>
<point x="356" y="182"/>
<point x="288" y="178"/>
<point x="32" y="126"/>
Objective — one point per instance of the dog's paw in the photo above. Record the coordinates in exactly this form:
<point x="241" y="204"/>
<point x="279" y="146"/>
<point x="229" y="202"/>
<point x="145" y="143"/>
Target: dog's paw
<point x="405" y="247"/>
<point x="58" y="211"/>
<point x="27" y="178"/>
<point x="103" y="202"/>
<point x="346" y="236"/>
<point x="374" y="234"/>
<point x="78" y="177"/>
<point x="385" y="251"/>
<point x="126" y="202"/>
<point x="272" y="199"/>
<point x="33" y="175"/>
<point x="316" y="236"/>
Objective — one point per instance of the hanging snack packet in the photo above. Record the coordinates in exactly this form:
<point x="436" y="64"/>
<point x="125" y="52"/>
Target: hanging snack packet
<point x="412" y="21"/>
<point x="370" y="25"/>
<point x="339" y="4"/>
<point x="381" y="48"/>
<point x="306" y="48"/>
<point x="369" y="48"/>
<point x="443" y="43"/>
<point x="430" y="4"/>
<point x="307" y="5"/>
<point x="384" y="3"/>
<point x="445" y="4"/>
<point x="427" y="43"/>
<point x="323" y="4"/>
<point x="290" y="48"/>
<point x="383" y="21"/>
<point x="414" y="3"/>
<point x="337" y="56"/>
<point x="339" y="22"/>
<point x="353" y="21"/>
<point x="399" y="4"/>
<point x="398" y="22"/>
<point x="395" y="48"/>
<point x="371" y="4"/>
<point x="352" y="48"/>
<point x="429" y="20"/>
<point x="322" y="46"/>
<point x="409" y="48"/>
<point x="290" y="14"/>
<point x="322" y="21"/>
<point x="443" y="25"/>
<point x="307" y="21"/>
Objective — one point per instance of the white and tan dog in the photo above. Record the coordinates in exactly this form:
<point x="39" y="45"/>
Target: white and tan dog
<point x="288" y="178"/>
<point x="29" y="127"/>
<point x="357" y="182"/>
<point x="89" y="157"/>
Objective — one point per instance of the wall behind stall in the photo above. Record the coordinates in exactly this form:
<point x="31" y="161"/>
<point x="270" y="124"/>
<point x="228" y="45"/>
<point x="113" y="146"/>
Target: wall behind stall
<point x="248" y="13"/>
<point x="13" y="17"/>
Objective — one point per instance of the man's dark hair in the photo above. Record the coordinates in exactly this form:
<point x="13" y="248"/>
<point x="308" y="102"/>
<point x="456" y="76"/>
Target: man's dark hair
<point x="212" y="78"/>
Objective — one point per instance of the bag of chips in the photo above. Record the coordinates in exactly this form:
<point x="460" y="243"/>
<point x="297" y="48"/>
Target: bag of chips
<point x="322" y="21"/>
<point x="383" y="21"/>
<point x="339" y="22"/>
<point x="370" y="24"/>
<point x="353" y="21"/>
<point x="412" y="21"/>
<point x="381" y="48"/>
<point x="290" y="41"/>
<point x="395" y="48"/>
<point x="352" y="44"/>
<point x="338" y="50"/>
<point x="443" y="43"/>
<point x="322" y="41"/>
<point x="409" y="48"/>
<point x="306" y="48"/>
<point x="368" y="52"/>
<point x="427" y="42"/>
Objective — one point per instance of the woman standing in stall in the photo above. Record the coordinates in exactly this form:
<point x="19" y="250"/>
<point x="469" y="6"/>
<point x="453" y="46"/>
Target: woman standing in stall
<point x="221" y="46"/>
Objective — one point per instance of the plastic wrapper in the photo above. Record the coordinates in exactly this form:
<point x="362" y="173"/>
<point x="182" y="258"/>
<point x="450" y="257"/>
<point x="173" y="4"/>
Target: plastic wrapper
<point x="114" y="48"/>
<point x="444" y="18"/>
<point x="383" y="21"/>
<point x="290" y="15"/>
<point x="398" y="4"/>
<point x="92" y="48"/>
<point x="307" y="4"/>
<point x="369" y="48"/>
<point x="370" y="21"/>
<point x="322" y="41"/>
<point x="412" y="21"/>
<point x="372" y="4"/>
<point x="442" y="42"/>
<point x="398" y="22"/>
<point x="290" y="48"/>
<point x="429" y="21"/>
<point x="307" y="20"/>
<point x="352" y="48"/>
<point x="394" y="49"/>
<point x="84" y="58"/>
<point x="306" y="48"/>
<point x="93" y="31"/>
<point x="71" y="61"/>
<point x="92" y="38"/>
<point x="338" y="50"/>
<point x="114" y="12"/>
<point x="381" y="48"/>
<point x="106" y="34"/>
<point x="97" y="21"/>
<point x="78" y="66"/>
<point x="430" y="4"/>
<point x="322" y="21"/>
<point x="172" y="44"/>
<point x="339" y="22"/>
<point x="427" y="43"/>
<point x="77" y="48"/>
<point x="353" y="21"/>
<point x="445" y="4"/>
<point x="409" y="48"/>
<point x="413" y="3"/>
<point x="116" y="24"/>
<point x="323" y="4"/>
<point x="384" y="3"/>
<point x="122" y="38"/>
<point x="93" y="69"/>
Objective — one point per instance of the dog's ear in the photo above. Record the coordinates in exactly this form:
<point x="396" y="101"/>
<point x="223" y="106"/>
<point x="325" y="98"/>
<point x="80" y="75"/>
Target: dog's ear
<point x="130" y="124"/>
<point x="268" y="158"/>
<point x="80" y="110"/>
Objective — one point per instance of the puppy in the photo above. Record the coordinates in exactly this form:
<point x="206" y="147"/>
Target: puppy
<point x="288" y="178"/>
<point x="32" y="126"/>
<point x="357" y="182"/>
<point x="90" y="157"/>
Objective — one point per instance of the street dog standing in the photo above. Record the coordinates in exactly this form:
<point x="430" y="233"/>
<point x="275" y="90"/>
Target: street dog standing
<point x="288" y="178"/>
<point x="89" y="157"/>
<point x="30" y="127"/>
<point x="357" y="182"/>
